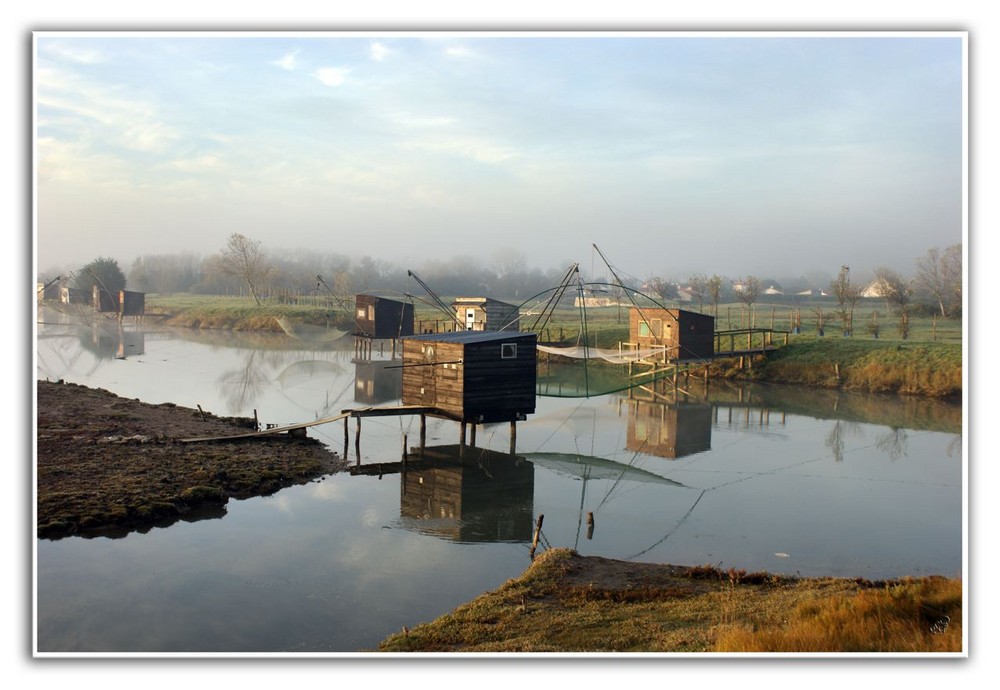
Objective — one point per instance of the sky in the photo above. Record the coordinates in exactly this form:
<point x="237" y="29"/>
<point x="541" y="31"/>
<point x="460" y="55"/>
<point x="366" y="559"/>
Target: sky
<point x="728" y="153"/>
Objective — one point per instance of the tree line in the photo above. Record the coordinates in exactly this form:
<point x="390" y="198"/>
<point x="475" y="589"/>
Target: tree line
<point x="243" y="266"/>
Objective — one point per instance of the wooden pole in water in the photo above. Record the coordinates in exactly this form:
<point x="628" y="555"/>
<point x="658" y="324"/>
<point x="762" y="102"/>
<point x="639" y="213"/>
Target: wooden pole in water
<point x="590" y="525"/>
<point x="472" y="435"/>
<point x="423" y="431"/>
<point x="346" y="436"/>
<point x="534" y="539"/>
<point x="461" y="433"/>
<point x="357" y="441"/>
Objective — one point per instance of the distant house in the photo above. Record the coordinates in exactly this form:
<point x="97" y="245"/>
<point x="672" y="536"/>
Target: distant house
<point x="486" y="314"/>
<point x="684" y="335"/>
<point x="813" y="292"/>
<point x="774" y="290"/>
<point x="876" y="288"/>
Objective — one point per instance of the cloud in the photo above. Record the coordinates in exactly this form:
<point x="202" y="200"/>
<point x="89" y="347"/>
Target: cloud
<point x="332" y="76"/>
<point x="379" y="51"/>
<point x="74" y="54"/>
<point x="287" y="61"/>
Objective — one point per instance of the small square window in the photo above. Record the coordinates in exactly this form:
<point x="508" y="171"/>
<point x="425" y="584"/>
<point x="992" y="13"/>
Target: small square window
<point x="508" y="350"/>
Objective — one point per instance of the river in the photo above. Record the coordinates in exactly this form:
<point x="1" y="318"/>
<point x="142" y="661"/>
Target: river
<point x="814" y="483"/>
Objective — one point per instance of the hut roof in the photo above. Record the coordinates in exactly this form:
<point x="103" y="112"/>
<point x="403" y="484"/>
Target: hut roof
<point x="469" y="336"/>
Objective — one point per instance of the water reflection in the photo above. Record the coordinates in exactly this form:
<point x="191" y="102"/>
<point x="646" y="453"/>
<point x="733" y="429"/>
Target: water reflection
<point x="838" y="484"/>
<point x="467" y="494"/>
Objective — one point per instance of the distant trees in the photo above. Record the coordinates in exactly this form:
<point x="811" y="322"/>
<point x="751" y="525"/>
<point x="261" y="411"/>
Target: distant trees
<point x="940" y="274"/>
<point x="897" y="293"/>
<point x="664" y="288"/>
<point x="103" y="272"/>
<point x="165" y="274"/>
<point x="244" y="259"/>
<point x="847" y="295"/>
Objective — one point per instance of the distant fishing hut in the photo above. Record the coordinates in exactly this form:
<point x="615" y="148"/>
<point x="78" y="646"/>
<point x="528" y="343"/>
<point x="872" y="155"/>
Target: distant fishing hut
<point x="379" y="318"/>
<point x="486" y="314"/>
<point x="683" y="335"/>
<point x="482" y="377"/>
<point x="102" y="300"/>
<point x="131" y="303"/>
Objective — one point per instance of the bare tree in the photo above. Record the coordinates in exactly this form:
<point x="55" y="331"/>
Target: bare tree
<point x="748" y="291"/>
<point x="698" y="284"/>
<point x="665" y="288"/>
<point x="847" y="297"/>
<point x="714" y="287"/>
<point x="897" y="293"/>
<point x="244" y="259"/>
<point x="940" y="274"/>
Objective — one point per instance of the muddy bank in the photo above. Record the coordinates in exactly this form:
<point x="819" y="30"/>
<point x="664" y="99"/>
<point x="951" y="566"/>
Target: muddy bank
<point x="107" y="465"/>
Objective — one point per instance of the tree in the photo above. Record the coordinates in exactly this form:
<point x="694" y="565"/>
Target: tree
<point x="747" y="291"/>
<point x="103" y="272"/>
<point x="897" y="292"/>
<point x="244" y="259"/>
<point x="666" y="289"/>
<point x="847" y="296"/>
<point x="714" y="287"/>
<point x="940" y="274"/>
<point x="698" y="284"/>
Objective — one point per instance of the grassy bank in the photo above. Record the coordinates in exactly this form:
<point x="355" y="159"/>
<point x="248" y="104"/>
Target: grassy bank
<point x="928" y="369"/>
<point x="929" y="363"/>
<point x="568" y="603"/>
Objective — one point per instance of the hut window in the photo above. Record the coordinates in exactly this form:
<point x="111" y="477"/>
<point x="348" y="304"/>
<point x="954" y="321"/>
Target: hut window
<point x="371" y="312"/>
<point x="657" y="327"/>
<point x="508" y="350"/>
<point x="644" y="329"/>
<point x="361" y="312"/>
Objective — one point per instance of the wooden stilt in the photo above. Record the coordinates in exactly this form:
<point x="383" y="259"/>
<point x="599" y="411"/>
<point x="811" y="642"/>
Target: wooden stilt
<point x="513" y="437"/>
<point x="423" y="431"/>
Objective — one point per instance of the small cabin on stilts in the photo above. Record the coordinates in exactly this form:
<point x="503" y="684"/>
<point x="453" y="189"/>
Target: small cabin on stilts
<point x="683" y="335"/>
<point x="477" y="377"/>
<point x="486" y="314"/>
<point x="379" y="318"/>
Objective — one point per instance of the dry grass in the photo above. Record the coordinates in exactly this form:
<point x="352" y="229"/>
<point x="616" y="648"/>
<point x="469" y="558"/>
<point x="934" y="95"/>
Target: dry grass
<point x="567" y="603"/>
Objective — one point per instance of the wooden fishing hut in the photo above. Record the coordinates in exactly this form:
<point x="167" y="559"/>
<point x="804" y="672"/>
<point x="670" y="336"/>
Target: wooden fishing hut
<point x="486" y="314"/>
<point x="102" y="300"/>
<point x="478" y="377"/>
<point x="132" y="303"/>
<point x="683" y="335"/>
<point x="379" y="318"/>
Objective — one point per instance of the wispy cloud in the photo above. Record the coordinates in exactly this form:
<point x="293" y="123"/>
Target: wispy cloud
<point x="379" y="51"/>
<point x="332" y="76"/>
<point x="287" y="61"/>
<point x="74" y="53"/>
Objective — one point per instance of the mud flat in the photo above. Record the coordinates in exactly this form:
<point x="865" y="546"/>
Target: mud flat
<point x="107" y="465"/>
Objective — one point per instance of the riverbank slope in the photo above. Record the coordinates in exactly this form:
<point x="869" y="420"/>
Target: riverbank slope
<point x="108" y="465"/>
<point x="567" y="603"/>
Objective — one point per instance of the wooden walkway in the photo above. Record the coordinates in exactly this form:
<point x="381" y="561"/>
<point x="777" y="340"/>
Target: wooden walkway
<point x="741" y="342"/>
<point x="295" y="429"/>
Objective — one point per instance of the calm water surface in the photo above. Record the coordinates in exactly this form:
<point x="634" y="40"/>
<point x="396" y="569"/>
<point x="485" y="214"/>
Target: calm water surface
<point x="763" y="478"/>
